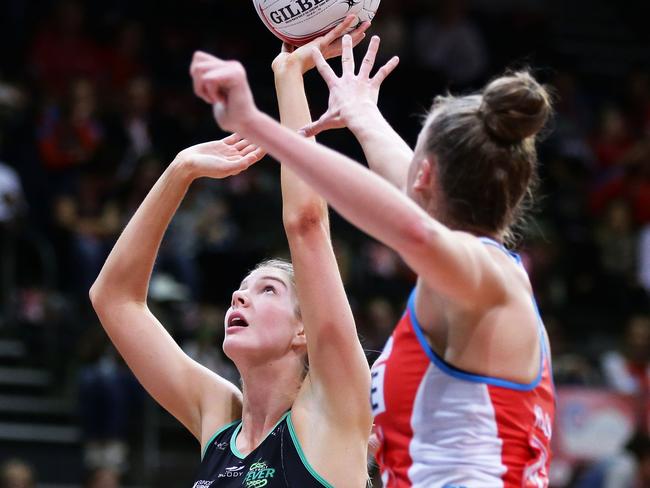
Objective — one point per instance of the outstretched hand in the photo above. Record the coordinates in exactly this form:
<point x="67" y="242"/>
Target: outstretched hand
<point x="330" y="45"/>
<point x="220" y="159"/>
<point x="224" y="85"/>
<point x="351" y="93"/>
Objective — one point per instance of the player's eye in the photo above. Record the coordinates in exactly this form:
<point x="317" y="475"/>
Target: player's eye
<point x="269" y="288"/>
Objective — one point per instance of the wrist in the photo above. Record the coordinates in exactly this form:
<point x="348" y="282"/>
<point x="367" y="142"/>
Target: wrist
<point x="184" y="168"/>
<point x="248" y="123"/>
<point x="364" y="115"/>
<point x="287" y="65"/>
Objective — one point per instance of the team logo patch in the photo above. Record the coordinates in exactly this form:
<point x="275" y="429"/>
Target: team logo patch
<point x="258" y="475"/>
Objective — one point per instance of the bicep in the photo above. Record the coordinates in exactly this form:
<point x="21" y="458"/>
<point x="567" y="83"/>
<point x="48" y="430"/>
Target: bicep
<point x="173" y="379"/>
<point x="456" y="265"/>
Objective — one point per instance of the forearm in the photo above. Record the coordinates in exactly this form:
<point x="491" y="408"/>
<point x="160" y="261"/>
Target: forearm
<point x="386" y="152"/>
<point x="128" y="268"/>
<point x="362" y="197"/>
<point x="299" y="200"/>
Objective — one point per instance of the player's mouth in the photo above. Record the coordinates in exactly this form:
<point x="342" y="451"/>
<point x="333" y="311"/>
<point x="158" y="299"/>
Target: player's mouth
<point x="237" y="320"/>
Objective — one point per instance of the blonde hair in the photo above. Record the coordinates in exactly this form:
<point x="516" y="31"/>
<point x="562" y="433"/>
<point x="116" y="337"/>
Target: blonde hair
<point x="287" y="268"/>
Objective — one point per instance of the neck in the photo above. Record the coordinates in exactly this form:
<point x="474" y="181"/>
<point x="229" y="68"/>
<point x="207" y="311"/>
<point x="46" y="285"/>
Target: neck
<point x="269" y="390"/>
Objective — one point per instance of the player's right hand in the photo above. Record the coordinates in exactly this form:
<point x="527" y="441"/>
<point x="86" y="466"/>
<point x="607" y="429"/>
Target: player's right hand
<point x="224" y="85"/>
<point x="330" y="45"/>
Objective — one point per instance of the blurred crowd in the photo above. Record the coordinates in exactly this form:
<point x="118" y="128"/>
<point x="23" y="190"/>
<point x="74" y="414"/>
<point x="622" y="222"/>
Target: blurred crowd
<point x="95" y="101"/>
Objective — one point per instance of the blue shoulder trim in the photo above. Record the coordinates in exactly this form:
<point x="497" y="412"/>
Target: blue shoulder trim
<point x="492" y="242"/>
<point x="459" y="373"/>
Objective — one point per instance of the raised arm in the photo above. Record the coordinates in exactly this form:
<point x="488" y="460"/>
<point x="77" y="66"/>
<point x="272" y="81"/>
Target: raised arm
<point x="338" y="370"/>
<point x="353" y="104"/>
<point x="119" y="295"/>
<point x="452" y="263"/>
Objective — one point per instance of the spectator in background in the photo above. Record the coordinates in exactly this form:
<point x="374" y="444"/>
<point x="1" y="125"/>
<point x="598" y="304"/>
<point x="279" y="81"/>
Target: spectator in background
<point x="90" y="220"/>
<point x="63" y="51"/>
<point x="15" y="473"/>
<point x="103" y="478"/>
<point x="12" y="206"/>
<point x="136" y="128"/>
<point x="449" y="44"/>
<point x="12" y="200"/>
<point x="644" y="259"/>
<point x="628" y="469"/>
<point x="637" y="102"/>
<point x="125" y="58"/>
<point x="379" y="318"/>
<point x="612" y="140"/>
<point x="70" y="135"/>
<point x="639" y="446"/>
<point x="109" y="397"/>
<point x="570" y="366"/>
<point x="627" y="370"/>
<point x="617" y="242"/>
<point x="202" y="347"/>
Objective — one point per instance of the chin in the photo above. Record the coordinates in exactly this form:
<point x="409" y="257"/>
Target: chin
<point x="239" y="348"/>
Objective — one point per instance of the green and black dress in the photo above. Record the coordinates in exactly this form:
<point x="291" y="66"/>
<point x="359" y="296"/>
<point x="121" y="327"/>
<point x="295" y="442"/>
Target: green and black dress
<point x="277" y="462"/>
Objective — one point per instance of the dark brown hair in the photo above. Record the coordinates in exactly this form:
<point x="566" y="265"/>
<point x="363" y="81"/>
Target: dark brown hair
<point x="485" y="150"/>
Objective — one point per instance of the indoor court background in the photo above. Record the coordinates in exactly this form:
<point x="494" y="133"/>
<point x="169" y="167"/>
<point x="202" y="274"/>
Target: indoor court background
<point x="96" y="99"/>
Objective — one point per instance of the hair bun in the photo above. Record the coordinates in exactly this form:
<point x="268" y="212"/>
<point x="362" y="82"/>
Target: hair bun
<point x="515" y="107"/>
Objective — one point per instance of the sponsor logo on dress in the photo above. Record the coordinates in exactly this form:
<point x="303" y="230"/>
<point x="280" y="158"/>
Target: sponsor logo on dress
<point x="258" y="475"/>
<point x="232" y="472"/>
<point x="202" y="484"/>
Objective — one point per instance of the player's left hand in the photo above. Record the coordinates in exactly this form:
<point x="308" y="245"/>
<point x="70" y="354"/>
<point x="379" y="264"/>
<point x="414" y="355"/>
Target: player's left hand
<point x="352" y="93"/>
<point x="220" y="159"/>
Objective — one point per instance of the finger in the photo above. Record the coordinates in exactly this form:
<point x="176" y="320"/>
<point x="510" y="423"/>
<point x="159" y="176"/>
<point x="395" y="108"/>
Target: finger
<point x="199" y="67"/>
<point x="359" y="33"/>
<point x="241" y="144"/>
<point x="323" y="68"/>
<point x="249" y="149"/>
<point x="232" y="139"/>
<point x="210" y="84"/>
<point x="201" y="57"/>
<point x="221" y="79"/>
<point x="328" y="121"/>
<point x="198" y="70"/>
<point x="199" y="90"/>
<point x="347" y="57"/>
<point x="254" y="156"/>
<point x="385" y="70"/>
<point x="236" y="167"/>
<point x="339" y="30"/>
<point x="369" y="59"/>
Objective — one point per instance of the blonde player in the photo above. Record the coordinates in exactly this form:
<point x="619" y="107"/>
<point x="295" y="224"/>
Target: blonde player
<point x="290" y="425"/>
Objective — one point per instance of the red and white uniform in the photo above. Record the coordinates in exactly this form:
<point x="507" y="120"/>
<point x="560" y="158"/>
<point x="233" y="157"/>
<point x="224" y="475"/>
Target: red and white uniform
<point x="441" y="427"/>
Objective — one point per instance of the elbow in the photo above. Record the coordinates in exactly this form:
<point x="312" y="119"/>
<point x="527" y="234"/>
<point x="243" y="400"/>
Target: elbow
<point x="99" y="294"/>
<point x="305" y="221"/>
<point x="95" y="294"/>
